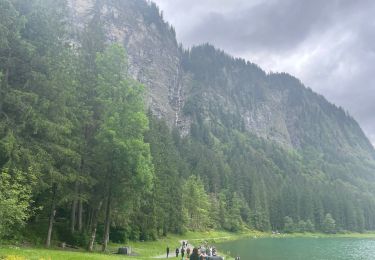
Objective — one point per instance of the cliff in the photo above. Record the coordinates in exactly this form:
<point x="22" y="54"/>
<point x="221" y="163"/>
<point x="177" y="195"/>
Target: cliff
<point x="206" y="85"/>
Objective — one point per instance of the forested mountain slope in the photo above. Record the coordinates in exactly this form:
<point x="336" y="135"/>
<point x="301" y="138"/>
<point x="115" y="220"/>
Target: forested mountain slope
<point x="216" y="99"/>
<point x="224" y="144"/>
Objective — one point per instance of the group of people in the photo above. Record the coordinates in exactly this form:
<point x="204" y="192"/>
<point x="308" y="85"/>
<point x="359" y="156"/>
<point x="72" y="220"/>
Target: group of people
<point x="207" y="251"/>
<point x="197" y="253"/>
<point x="185" y="248"/>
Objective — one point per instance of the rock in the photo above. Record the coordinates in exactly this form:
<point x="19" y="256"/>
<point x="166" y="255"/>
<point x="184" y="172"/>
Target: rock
<point x="124" y="250"/>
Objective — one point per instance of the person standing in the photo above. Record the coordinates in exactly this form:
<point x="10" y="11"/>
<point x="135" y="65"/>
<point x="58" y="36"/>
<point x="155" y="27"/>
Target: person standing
<point x="194" y="255"/>
<point x="177" y="252"/>
<point x="182" y="253"/>
<point x="167" y="251"/>
<point x="188" y="252"/>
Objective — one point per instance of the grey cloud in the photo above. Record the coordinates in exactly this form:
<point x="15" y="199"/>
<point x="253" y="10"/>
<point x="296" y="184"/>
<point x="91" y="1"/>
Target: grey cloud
<point x="275" y="25"/>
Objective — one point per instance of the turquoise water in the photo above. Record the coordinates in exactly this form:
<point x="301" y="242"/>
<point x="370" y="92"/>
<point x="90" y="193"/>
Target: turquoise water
<point x="301" y="249"/>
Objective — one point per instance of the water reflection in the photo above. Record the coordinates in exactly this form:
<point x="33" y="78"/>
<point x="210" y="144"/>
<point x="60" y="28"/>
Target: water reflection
<point x="302" y="249"/>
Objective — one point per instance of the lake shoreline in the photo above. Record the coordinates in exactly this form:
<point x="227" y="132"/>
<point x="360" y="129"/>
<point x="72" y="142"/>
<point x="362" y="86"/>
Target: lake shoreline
<point x="150" y="249"/>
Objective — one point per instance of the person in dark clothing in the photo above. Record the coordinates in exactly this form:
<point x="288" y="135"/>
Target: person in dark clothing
<point x="194" y="255"/>
<point x="167" y="251"/>
<point x="182" y="253"/>
<point x="177" y="252"/>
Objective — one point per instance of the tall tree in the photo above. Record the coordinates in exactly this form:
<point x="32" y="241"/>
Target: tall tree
<point x="125" y="158"/>
<point x="196" y="204"/>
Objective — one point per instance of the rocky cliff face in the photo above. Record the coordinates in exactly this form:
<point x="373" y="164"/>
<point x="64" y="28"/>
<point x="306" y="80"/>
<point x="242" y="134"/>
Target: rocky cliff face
<point x="222" y="90"/>
<point x="153" y="52"/>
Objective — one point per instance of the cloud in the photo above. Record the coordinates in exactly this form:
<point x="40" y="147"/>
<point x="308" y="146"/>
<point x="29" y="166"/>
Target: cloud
<point x="329" y="45"/>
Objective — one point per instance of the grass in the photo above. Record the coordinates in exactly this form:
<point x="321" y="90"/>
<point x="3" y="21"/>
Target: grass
<point x="144" y="250"/>
<point x="12" y="253"/>
<point x="149" y="250"/>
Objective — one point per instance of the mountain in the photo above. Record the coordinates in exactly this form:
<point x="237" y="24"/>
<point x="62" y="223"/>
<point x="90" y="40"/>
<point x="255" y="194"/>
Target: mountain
<point x="224" y="145"/>
<point x="218" y="100"/>
<point x="276" y="106"/>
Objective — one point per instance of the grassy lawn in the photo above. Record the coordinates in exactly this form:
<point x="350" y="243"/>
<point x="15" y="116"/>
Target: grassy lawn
<point x="12" y="253"/>
<point x="144" y="250"/>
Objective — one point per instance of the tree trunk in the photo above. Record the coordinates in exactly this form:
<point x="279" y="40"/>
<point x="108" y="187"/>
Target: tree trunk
<point x="4" y="82"/>
<point x="90" y="216"/>
<point x="80" y="213"/>
<point x="74" y="207"/>
<point x="52" y="215"/>
<point x="79" y="189"/>
<point x="95" y="215"/>
<point x="107" y="221"/>
<point x="92" y="238"/>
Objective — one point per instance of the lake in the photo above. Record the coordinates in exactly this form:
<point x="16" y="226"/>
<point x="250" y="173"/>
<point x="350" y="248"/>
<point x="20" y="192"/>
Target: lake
<point x="301" y="248"/>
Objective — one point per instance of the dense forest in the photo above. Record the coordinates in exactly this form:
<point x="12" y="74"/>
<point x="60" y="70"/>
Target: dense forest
<point x="83" y="160"/>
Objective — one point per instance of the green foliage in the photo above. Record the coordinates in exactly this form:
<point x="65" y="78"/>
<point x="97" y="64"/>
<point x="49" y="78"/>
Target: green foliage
<point x="166" y="200"/>
<point x="196" y="204"/>
<point x="124" y="159"/>
<point x="309" y="226"/>
<point x="15" y="199"/>
<point x="124" y="154"/>
<point x="289" y="226"/>
<point x="329" y="224"/>
<point x="235" y="219"/>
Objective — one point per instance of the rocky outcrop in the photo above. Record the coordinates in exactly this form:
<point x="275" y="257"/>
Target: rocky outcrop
<point x="153" y="52"/>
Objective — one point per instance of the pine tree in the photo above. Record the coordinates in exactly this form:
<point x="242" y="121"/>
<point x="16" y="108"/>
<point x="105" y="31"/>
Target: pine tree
<point x="329" y="224"/>
<point x="124" y="156"/>
<point x="196" y="204"/>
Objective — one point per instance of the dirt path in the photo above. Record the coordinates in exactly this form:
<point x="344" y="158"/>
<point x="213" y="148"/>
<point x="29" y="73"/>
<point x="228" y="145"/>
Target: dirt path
<point x="172" y="252"/>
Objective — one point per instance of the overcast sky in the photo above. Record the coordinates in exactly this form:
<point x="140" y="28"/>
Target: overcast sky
<point x="328" y="44"/>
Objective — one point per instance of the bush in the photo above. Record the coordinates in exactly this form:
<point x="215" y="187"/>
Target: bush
<point x="289" y="226"/>
<point x="64" y="234"/>
<point x="15" y="199"/>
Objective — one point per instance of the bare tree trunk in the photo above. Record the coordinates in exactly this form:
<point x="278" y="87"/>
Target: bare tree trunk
<point x="107" y="221"/>
<point x="74" y="207"/>
<point x="92" y="238"/>
<point x="79" y="190"/>
<point x="4" y="81"/>
<point x="90" y="216"/>
<point x="80" y="213"/>
<point x="52" y="215"/>
<point x="95" y="216"/>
